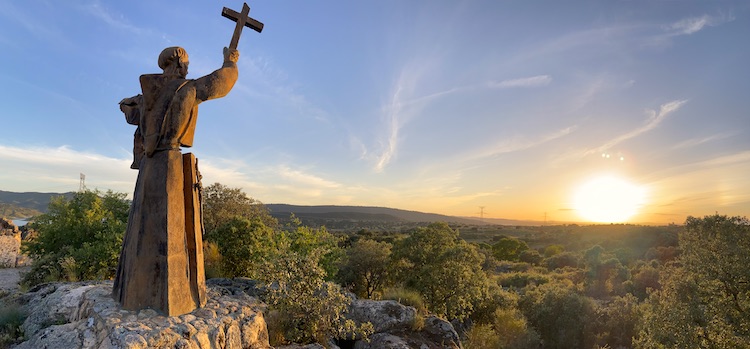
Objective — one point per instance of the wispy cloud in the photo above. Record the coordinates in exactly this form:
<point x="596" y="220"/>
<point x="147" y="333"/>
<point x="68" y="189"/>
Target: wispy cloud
<point x="520" y="143"/>
<point x="655" y="118"/>
<point x="116" y="21"/>
<point x="726" y="160"/>
<point x="57" y="169"/>
<point x="45" y="30"/>
<point x="393" y="124"/>
<point x="306" y="179"/>
<point x="693" y="25"/>
<point x="396" y="113"/>
<point x="272" y="83"/>
<point x="698" y="141"/>
<point x="534" y="81"/>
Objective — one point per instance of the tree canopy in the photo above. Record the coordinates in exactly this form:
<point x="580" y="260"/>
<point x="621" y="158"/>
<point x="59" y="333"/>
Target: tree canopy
<point x="222" y="203"/>
<point x="705" y="298"/>
<point x="443" y="268"/>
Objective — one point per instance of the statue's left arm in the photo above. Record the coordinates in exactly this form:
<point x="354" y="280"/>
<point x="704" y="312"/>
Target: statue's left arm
<point x="220" y="82"/>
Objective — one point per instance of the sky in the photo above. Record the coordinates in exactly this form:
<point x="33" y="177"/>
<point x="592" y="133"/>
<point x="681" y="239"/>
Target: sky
<point x="500" y="109"/>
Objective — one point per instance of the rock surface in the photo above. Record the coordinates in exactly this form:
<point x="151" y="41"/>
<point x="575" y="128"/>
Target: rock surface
<point x="398" y="326"/>
<point x="84" y="315"/>
<point x="10" y="243"/>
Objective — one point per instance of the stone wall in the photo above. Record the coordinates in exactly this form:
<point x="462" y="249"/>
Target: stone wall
<point x="10" y="243"/>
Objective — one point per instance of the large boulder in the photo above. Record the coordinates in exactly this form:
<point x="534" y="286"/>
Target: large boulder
<point x="385" y="316"/>
<point x="84" y="315"/>
<point x="398" y="326"/>
<point x="10" y="243"/>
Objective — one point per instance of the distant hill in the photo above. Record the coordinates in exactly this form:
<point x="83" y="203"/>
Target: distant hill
<point x="27" y="203"/>
<point x="362" y="213"/>
<point x="17" y="212"/>
<point x="21" y="205"/>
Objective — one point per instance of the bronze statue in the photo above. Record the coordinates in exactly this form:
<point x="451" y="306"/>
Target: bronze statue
<point x="161" y="262"/>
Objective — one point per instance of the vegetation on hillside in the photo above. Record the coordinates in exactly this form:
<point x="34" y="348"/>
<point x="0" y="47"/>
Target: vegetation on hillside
<point x="566" y="286"/>
<point x="12" y="211"/>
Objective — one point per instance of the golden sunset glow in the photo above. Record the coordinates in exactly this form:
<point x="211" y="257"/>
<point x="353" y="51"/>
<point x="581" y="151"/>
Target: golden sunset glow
<point x="608" y="199"/>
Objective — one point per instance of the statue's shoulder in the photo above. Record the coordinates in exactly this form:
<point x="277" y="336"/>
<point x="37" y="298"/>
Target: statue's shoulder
<point x="151" y="83"/>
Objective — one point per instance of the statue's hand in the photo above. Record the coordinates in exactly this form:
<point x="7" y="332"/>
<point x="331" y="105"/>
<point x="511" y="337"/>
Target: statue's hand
<point x="231" y="55"/>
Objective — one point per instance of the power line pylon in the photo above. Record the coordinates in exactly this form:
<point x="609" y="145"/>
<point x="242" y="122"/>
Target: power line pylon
<point x="82" y="183"/>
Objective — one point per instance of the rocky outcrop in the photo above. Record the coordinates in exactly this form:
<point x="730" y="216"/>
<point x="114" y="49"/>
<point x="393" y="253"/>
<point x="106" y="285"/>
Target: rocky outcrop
<point x="398" y="326"/>
<point x="84" y="315"/>
<point x="10" y="243"/>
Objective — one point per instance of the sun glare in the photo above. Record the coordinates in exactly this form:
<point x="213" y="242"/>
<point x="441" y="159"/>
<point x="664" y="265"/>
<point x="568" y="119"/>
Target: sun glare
<point x="608" y="199"/>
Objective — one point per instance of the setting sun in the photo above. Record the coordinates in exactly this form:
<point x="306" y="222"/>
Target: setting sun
<point x="608" y="199"/>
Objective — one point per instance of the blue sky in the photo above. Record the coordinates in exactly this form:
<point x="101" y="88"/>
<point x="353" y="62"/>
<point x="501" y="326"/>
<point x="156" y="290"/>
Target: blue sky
<point x="436" y="106"/>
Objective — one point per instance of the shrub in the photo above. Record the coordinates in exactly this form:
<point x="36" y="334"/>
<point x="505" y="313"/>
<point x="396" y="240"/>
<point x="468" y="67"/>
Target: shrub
<point x="512" y="329"/>
<point x="522" y="280"/>
<point x="482" y="337"/>
<point x="560" y="314"/>
<point x="406" y="297"/>
<point x="212" y="259"/>
<point x="77" y="239"/>
<point x="310" y="309"/>
<point x="11" y="319"/>
<point x="561" y="260"/>
<point x="244" y="245"/>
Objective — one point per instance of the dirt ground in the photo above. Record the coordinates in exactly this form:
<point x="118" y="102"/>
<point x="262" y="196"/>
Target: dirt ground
<point x="9" y="278"/>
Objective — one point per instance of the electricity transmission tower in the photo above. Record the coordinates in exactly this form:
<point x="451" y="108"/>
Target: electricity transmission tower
<point x="481" y="214"/>
<point x="82" y="183"/>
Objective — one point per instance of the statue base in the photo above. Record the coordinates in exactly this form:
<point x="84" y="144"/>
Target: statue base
<point x="84" y="315"/>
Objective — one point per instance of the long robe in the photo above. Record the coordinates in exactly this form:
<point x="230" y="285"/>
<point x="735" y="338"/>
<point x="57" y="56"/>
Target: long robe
<point x="156" y="269"/>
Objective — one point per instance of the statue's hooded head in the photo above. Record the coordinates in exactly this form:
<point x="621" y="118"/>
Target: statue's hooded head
<point x="174" y="61"/>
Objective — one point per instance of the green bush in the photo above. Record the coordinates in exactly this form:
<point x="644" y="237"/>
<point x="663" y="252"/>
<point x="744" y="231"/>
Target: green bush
<point x="11" y="319"/>
<point x="309" y="308"/>
<point x="561" y="315"/>
<point x="244" y="245"/>
<point x="482" y="337"/>
<point x="77" y="239"/>
<point x="521" y="280"/>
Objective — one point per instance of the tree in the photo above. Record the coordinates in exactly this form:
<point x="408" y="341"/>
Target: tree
<point x="78" y="239"/>
<point x="444" y="269"/>
<point x="620" y="320"/>
<point x="531" y="257"/>
<point x="562" y="260"/>
<point x="603" y="275"/>
<point x="222" y="203"/>
<point x="704" y="301"/>
<point x="645" y="279"/>
<point x="367" y="268"/>
<point x="552" y="250"/>
<point x="508" y="249"/>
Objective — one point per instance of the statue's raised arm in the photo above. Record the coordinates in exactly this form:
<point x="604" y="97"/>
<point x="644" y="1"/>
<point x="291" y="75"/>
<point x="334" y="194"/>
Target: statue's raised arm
<point x="220" y="82"/>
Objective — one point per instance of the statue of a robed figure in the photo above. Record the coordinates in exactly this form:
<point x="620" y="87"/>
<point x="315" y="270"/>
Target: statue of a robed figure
<point x="161" y="262"/>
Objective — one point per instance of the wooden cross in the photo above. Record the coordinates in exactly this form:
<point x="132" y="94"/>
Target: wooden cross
<point x="242" y="20"/>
